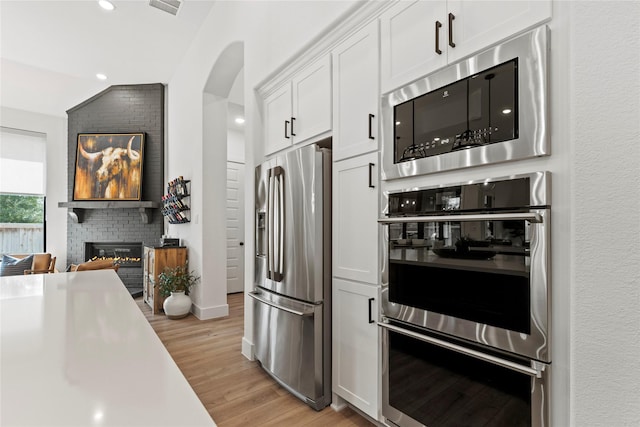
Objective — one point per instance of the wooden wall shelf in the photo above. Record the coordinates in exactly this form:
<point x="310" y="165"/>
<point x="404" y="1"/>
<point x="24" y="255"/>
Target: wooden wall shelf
<point x="76" y="209"/>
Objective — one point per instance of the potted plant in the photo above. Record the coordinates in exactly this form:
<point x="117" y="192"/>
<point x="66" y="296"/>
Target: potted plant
<point x="175" y="283"/>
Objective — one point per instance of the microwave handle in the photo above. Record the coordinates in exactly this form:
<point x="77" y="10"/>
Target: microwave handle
<point x="531" y="217"/>
<point x="468" y="351"/>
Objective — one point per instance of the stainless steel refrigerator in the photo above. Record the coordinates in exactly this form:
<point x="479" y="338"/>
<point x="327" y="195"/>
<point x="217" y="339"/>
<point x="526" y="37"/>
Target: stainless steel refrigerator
<point x="292" y="296"/>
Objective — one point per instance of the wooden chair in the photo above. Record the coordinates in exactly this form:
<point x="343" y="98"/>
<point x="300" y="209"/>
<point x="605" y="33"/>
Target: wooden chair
<point x="42" y="263"/>
<point x="102" y="264"/>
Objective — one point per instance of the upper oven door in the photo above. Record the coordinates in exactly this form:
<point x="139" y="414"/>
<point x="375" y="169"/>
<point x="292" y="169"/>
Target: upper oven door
<point x="480" y="276"/>
<point x="486" y="109"/>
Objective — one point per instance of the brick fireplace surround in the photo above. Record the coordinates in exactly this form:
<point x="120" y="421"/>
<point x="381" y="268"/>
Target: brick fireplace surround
<point x="120" y="109"/>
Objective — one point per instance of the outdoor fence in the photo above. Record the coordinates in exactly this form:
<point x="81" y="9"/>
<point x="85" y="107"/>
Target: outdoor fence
<point x="21" y="238"/>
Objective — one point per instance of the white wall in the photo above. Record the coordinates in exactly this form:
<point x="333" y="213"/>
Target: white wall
<point x="56" y="175"/>
<point x="272" y="32"/>
<point x="604" y="113"/>
<point x="235" y="146"/>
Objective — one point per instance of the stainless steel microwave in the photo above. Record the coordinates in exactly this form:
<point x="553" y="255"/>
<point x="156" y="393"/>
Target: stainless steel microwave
<point x="489" y="108"/>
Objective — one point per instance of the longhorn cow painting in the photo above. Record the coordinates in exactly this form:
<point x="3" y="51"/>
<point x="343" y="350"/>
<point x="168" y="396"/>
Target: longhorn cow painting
<point x="109" y="167"/>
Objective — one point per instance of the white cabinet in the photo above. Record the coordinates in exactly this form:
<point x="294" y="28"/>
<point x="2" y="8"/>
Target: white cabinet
<point x="312" y="101"/>
<point x="355" y="215"/>
<point x="421" y="36"/>
<point x="355" y="341"/>
<point x="355" y="93"/>
<point x="299" y="109"/>
<point x="408" y="42"/>
<point x="277" y="107"/>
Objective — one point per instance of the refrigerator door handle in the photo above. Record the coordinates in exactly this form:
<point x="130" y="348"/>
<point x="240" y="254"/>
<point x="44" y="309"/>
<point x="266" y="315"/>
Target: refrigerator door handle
<point x="270" y="227"/>
<point x="275" y="209"/>
<point x="280" y="270"/>
<point x="310" y="311"/>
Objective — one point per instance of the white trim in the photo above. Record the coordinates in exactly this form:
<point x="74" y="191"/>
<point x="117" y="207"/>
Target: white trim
<point x="337" y="402"/>
<point x="247" y="349"/>
<point x="210" y="312"/>
<point x="361" y="15"/>
<point x="23" y="132"/>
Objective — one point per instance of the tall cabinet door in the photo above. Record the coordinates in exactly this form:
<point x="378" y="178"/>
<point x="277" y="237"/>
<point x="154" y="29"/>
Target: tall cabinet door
<point x="355" y="215"/>
<point x="408" y="41"/>
<point x="277" y="108"/>
<point x="355" y="94"/>
<point x="312" y="100"/>
<point x="355" y="345"/>
<point x="479" y="24"/>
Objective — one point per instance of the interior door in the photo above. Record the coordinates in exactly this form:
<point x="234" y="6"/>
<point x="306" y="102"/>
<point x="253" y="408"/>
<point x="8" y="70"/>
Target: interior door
<point x="235" y="227"/>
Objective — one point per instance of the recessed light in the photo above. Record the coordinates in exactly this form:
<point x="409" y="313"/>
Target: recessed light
<point x="106" y="4"/>
<point x="239" y="120"/>
<point x="101" y="76"/>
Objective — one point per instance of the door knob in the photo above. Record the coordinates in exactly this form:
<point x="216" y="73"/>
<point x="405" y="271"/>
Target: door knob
<point x="241" y="243"/>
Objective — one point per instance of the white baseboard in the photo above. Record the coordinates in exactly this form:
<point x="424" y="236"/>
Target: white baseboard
<point x="337" y="403"/>
<point x="247" y="349"/>
<point x="207" y="313"/>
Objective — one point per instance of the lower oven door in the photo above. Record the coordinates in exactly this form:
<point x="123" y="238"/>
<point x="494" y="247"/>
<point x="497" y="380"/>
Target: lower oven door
<point x="431" y="381"/>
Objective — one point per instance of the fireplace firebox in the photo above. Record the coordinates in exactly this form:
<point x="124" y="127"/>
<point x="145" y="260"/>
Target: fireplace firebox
<point x="125" y="254"/>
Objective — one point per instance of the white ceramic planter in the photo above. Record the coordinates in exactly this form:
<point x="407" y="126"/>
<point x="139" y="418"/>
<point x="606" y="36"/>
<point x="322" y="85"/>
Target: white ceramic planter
<point x="177" y="305"/>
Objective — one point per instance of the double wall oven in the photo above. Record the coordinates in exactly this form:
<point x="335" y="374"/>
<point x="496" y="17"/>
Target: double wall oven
<point x="466" y="303"/>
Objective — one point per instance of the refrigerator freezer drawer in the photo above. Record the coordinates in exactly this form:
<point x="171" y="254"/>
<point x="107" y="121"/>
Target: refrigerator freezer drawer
<point x="289" y="345"/>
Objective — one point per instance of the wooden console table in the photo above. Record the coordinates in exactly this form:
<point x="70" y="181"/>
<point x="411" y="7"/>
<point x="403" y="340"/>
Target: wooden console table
<point x="155" y="260"/>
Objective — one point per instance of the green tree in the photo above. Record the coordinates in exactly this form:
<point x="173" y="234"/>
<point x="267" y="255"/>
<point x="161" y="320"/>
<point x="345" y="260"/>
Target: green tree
<point x="17" y="208"/>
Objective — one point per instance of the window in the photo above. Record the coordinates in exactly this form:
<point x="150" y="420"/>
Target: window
<point x="22" y="190"/>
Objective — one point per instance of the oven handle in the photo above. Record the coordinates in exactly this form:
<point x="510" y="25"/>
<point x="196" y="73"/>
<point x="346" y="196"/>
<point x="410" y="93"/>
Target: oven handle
<point x="469" y="352"/>
<point x="527" y="216"/>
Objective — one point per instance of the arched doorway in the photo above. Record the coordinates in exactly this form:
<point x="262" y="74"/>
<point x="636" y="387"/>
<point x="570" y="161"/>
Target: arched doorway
<point x="223" y="103"/>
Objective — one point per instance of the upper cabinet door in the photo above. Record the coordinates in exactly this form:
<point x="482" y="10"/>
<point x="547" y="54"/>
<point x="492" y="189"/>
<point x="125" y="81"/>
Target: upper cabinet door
<point x="420" y="37"/>
<point x="478" y="24"/>
<point x="355" y="94"/>
<point x="312" y="101"/>
<point x="277" y="107"/>
<point x="408" y="41"/>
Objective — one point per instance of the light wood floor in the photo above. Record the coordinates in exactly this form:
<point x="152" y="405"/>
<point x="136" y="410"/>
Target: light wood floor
<point x="235" y="391"/>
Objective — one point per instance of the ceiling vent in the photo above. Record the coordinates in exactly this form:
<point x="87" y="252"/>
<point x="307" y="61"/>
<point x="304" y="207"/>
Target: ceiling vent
<point x="169" y="6"/>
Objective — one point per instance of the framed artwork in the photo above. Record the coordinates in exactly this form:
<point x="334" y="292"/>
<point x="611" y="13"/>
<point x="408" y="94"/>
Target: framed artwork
<point x="109" y="166"/>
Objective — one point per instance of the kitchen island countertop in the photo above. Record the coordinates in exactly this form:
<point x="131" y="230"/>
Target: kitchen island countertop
<point x="76" y="350"/>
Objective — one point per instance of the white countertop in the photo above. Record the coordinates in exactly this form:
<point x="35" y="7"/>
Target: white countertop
<point x="77" y="351"/>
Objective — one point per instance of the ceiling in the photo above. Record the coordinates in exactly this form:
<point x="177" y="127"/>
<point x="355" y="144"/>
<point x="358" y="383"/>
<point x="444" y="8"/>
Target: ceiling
<point x="51" y="50"/>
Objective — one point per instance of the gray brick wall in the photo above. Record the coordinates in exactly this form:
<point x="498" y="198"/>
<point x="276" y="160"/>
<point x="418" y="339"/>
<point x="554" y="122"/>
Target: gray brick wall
<point x="120" y="109"/>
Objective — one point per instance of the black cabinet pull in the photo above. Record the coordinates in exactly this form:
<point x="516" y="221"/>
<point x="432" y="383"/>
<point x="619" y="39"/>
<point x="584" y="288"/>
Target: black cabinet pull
<point x="371" y="165"/>
<point x="371" y="116"/>
<point x="286" y="126"/>
<point x="292" y="119"/>
<point x="451" y="18"/>
<point x="438" y="26"/>
<point x="370" y="310"/>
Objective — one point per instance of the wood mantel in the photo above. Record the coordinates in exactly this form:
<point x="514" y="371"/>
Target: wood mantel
<point x="76" y="209"/>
